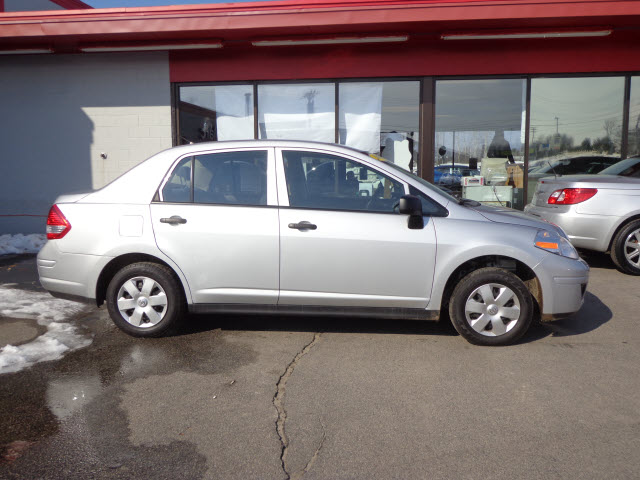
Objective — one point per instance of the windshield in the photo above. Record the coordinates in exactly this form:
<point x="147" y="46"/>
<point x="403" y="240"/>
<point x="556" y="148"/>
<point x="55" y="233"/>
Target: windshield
<point x="625" y="168"/>
<point x="422" y="182"/>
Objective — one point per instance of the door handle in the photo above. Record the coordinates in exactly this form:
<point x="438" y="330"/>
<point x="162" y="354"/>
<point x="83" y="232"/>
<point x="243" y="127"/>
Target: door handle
<point x="174" y="220"/>
<point x="304" y="225"/>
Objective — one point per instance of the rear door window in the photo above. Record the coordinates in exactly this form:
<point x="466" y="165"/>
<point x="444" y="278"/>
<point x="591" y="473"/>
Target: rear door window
<point x="228" y="178"/>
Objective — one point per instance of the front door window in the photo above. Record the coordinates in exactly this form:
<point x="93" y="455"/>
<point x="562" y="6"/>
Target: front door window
<point x="319" y="180"/>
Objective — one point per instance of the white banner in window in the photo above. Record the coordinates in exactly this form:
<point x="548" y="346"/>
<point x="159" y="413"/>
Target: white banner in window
<point x="361" y="112"/>
<point x="234" y="112"/>
<point x="297" y="112"/>
<point x="316" y="127"/>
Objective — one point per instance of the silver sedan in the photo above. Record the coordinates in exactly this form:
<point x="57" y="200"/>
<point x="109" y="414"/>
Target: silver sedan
<point x="283" y="227"/>
<point x="599" y="212"/>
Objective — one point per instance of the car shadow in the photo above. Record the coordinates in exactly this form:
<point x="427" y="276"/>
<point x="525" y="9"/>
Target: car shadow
<point x="201" y="323"/>
<point x="591" y="316"/>
<point x="598" y="260"/>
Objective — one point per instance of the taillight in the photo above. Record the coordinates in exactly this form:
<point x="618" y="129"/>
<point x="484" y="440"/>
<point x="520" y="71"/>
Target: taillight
<point x="57" y="224"/>
<point x="571" y="196"/>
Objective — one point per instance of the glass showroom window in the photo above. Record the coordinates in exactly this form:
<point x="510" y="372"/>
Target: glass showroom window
<point x="479" y="139"/>
<point x="297" y="112"/>
<point x="221" y="112"/>
<point x="634" y="118"/>
<point x="576" y="126"/>
<point x="381" y="118"/>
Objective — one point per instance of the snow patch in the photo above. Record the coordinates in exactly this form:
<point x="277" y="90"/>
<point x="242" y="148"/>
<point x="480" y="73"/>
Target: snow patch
<point x="19" y="243"/>
<point x="61" y="337"/>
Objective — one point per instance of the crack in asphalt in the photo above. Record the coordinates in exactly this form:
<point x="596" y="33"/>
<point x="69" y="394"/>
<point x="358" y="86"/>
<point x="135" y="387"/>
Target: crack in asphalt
<point x="300" y="474"/>
<point x="278" y="402"/>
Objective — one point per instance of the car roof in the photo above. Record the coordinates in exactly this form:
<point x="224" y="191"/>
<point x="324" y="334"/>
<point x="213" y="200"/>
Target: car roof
<point x="227" y="144"/>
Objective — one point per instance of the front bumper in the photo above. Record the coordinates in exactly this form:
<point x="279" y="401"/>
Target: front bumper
<point x="564" y="284"/>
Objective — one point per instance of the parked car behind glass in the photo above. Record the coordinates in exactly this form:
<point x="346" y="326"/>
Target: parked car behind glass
<point x="303" y="228"/>
<point x="599" y="212"/>
<point x="586" y="164"/>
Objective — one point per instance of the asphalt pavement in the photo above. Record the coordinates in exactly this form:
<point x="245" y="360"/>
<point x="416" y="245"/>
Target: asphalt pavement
<point x="275" y="398"/>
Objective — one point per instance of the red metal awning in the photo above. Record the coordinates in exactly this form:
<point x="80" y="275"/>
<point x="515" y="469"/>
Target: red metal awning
<point x="232" y="23"/>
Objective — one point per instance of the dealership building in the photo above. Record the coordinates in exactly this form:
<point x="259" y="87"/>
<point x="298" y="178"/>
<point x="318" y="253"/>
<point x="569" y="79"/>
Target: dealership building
<point x="449" y="89"/>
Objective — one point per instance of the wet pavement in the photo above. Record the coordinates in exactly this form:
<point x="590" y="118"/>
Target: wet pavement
<point x="273" y="398"/>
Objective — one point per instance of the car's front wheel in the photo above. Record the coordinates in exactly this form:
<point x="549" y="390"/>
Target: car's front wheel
<point x="491" y="306"/>
<point x="145" y="300"/>
<point x="625" y="249"/>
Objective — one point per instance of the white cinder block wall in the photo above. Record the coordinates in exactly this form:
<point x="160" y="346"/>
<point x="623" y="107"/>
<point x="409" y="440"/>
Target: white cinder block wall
<point x="60" y="113"/>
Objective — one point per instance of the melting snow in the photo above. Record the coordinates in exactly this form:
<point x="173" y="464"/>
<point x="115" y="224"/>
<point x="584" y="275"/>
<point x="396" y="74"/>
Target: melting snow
<point x="20" y="243"/>
<point x="61" y="337"/>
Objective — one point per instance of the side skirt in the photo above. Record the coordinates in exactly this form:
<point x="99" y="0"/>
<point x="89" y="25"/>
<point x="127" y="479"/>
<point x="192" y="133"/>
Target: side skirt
<point x="318" y="311"/>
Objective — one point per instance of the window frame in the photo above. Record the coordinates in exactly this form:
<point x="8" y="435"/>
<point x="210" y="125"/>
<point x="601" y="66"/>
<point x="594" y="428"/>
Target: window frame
<point x="426" y="104"/>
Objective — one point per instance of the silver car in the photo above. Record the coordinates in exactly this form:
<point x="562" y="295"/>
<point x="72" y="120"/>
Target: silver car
<point x="599" y="212"/>
<point x="284" y="227"/>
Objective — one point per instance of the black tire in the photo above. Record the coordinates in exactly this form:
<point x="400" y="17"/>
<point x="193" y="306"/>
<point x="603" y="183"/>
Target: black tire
<point x="625" y="257"/>
<point x="516" y="304"/>
<point x="156" y="313"/>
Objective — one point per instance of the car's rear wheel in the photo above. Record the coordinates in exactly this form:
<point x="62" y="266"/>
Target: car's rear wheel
<point x="491" y="306"/>
<point x="625" y="249"/>
<point x="145" y="300"/>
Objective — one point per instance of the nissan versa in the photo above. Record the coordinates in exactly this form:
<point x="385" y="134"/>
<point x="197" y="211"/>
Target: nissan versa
<point x="289" y="227"/>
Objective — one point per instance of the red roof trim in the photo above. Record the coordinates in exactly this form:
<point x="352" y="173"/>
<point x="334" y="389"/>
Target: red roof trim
<point x="533" y="7"/>
<point x="72" y="4"/>
<point x="246" y="21"/>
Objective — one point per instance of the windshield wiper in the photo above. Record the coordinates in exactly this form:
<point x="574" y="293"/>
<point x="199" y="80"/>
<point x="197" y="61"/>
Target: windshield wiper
<point x="468" y="202"/>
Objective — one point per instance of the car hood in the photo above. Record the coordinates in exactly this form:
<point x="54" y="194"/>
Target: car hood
<point x="511" y="216"/>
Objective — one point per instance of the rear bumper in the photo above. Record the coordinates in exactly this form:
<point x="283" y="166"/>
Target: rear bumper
<point x="69" y="275"/>
<point x="584" y="231"/>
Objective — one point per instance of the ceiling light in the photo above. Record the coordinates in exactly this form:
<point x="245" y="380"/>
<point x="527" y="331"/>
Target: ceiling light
<point x="328" y="41"/>
<point x="501" y="36"/>
<point x="25" y="51"/>
<point x="149" y="48"/>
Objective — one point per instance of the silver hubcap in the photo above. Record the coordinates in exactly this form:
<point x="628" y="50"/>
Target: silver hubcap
<point x="142" y="302"/>
<point x="492" y="309"/>
<point x="631" y="248"/>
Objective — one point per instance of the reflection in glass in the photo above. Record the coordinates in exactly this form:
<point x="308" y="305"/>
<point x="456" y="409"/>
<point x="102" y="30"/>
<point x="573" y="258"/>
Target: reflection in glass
<point x="576" y="126"/>
<point x="634" y="118"/>
<point x="570" y="115"/>
<point x="382" y="118"/>
<point x="223" y="112"/>
<point x="479" y="139"/>
<point x="297" y="112"/>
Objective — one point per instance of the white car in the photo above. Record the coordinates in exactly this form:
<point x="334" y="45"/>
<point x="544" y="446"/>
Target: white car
<point x="599" y="212"/>
<point x="284" y="227"/>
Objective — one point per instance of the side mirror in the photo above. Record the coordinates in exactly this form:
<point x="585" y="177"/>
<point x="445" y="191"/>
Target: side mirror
<point x="412" y="206"/>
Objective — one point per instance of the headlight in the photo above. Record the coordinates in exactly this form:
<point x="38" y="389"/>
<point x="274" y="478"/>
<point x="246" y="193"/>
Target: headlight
<point x="553" y="242"/>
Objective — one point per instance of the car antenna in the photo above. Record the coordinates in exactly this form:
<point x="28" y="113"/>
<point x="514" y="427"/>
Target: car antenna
<point x="553" y="170"/>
